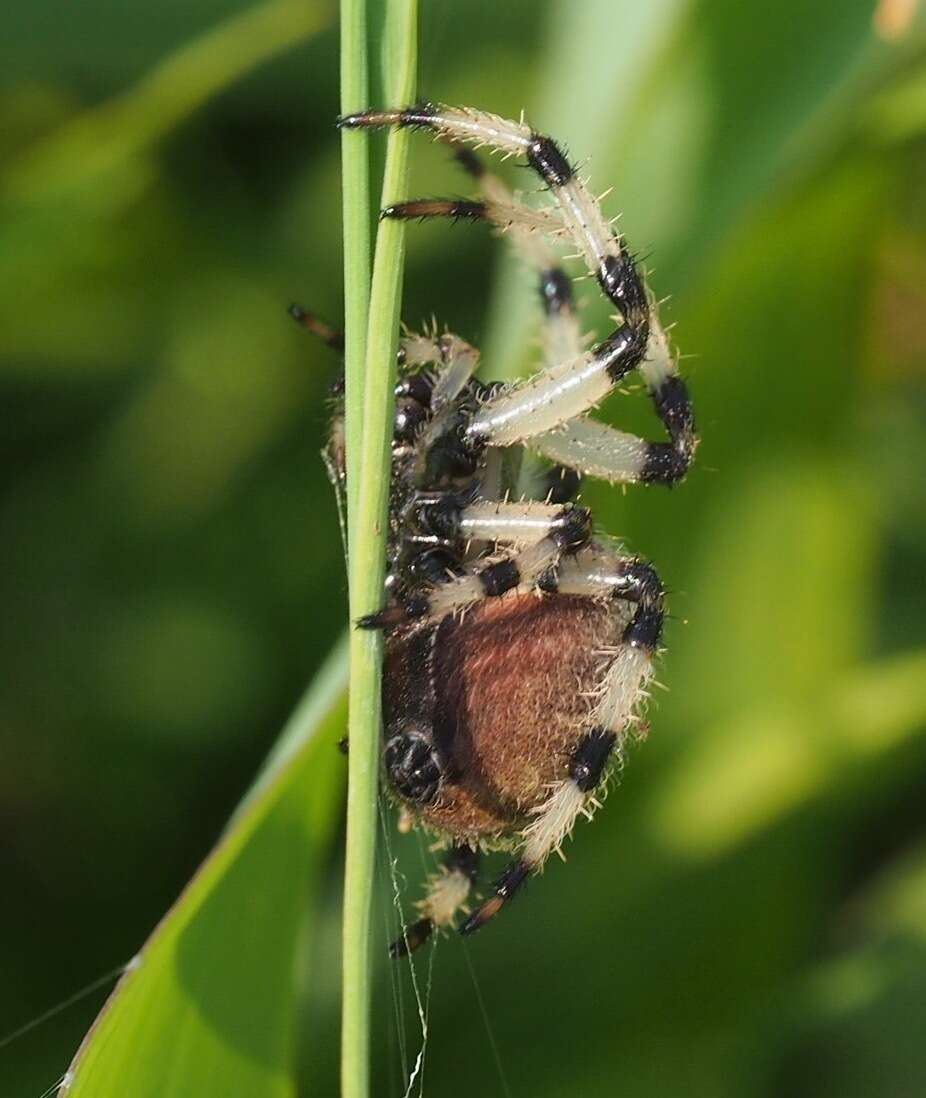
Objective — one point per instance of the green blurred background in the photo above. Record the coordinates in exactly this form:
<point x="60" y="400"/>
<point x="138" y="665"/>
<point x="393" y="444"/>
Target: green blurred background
<point x="748" y="916"/>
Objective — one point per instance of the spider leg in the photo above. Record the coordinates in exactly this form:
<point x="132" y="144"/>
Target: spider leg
<point x="555" y="820"/>
<point x="595" y="449"/>
<point x="523" y="523"/>
<point x="504" y="213"/>
<point x="568" y="391"/>
<point x="447" y="893"/>
<point x="526" y="229"/>
<point x="333" y="337"/>
<point x="530" y="566"/>
<point x="576" y="386"/>
<point x="547" y="411"/>
<point x="602" y="248"/>
<point x="595" y="572"/>
<point x="556" y="817"/>
<point x="599" y="572"/>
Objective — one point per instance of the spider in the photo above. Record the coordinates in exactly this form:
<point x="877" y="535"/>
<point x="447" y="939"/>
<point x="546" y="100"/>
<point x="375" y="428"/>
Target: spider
<point x="519" y="643"/>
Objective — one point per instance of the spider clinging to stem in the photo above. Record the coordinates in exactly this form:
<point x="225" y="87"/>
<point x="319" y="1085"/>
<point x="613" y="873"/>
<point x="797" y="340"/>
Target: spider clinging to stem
<point x="519" y="644"/>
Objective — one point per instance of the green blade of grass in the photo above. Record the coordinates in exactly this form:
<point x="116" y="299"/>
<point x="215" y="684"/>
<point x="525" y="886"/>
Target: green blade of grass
<point x="207" y="1006"/>
<point x="369" y="384"/>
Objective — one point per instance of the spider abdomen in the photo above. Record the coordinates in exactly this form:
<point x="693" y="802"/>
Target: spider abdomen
<point x="506" y="692"/>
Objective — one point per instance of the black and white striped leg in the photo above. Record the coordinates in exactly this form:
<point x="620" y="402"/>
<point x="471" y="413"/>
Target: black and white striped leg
<point x="569" y="799"/>
<point x="598" y="450"/>
<point x="562" y="339"/>
<point x="595" y="449"/>
<point x="575" y="386"/>
<point x="561" y="393"/>
<point x="602" y="248"/>
<point x="526" y="229"/>
<point x="463" y="518"/>
<point x="597" y="572"/>
<point x="613" y="455"/>
<point x="447" y="893"/>
<point x="567" y="530"/>
<point x="668" y="462"/>
<point x="570" y="389"/>
<point x="625" y="458"/>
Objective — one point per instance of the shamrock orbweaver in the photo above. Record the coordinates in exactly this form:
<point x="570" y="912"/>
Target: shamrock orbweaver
<point x="519" y="644"/>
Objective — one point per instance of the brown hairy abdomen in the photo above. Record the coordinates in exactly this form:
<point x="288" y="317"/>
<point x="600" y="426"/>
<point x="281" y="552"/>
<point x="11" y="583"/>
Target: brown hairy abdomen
<point x="511" y="685"/>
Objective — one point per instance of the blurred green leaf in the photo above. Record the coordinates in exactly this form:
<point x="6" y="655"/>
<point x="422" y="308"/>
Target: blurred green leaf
<point x="107" y="138"/>
<point x="207" y="1006"/>
<point x="899" y="112"/>
<point x="855" y="1021"/>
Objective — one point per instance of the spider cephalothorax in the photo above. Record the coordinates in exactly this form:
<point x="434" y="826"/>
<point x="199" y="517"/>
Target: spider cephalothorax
<point x="519" y="644"/>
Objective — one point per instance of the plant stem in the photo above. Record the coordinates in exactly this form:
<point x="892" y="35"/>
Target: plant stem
<point x="370" y="378"/>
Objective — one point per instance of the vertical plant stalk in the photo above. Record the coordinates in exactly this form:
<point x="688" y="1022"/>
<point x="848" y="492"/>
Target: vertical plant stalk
<point x="372" y="327"/>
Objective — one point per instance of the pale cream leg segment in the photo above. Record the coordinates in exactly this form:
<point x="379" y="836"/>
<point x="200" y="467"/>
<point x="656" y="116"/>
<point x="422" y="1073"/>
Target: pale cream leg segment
<point x="553" y="397"/>
<point x="511" y="523"/>
<point x="594" y="449"/>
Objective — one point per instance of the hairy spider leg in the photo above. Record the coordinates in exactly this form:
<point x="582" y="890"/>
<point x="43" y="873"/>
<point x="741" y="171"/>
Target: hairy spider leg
<point x="572" y="388"/>
<point x="523" y="523"/>
<point x="595" y="572"/>
<point x="448" y="890"/>
<point x="526" y="229"/>
<point x="530" y="566"/>
<point x="601" y="572"/>
<point x="543" y="404"/>
<point x="602" y="248"/>
<point x="595" y="449"/>
<point x="583" y="445"/>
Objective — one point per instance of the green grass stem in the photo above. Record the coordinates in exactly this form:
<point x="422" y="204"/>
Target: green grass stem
<point x="372" y="324"/>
